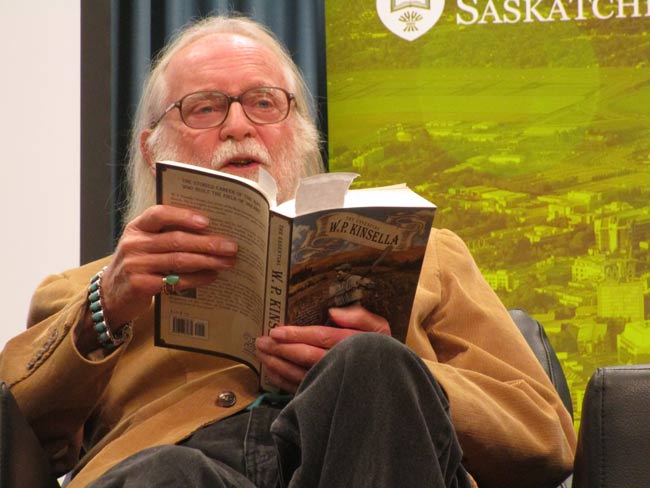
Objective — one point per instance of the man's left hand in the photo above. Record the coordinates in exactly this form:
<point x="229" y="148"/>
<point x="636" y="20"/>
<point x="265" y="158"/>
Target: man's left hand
<point x="288" y="352"/>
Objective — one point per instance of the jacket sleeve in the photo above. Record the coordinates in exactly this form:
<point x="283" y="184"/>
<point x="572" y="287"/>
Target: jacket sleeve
<point x="511" y="423"/>
<point x="55" y="386"/>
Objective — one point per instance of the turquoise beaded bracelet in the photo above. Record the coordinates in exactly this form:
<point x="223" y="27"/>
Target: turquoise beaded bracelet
<point x="108" y="339"/>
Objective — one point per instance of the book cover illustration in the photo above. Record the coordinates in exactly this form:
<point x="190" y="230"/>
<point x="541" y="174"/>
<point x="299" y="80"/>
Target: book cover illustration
<point x="366" y="256"/>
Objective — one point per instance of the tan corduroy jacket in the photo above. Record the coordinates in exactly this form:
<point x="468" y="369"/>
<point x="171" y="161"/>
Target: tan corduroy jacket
<point x="512" y="426"/>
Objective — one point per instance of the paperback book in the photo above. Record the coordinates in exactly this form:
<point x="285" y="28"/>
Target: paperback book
<point x="330" y="247"/>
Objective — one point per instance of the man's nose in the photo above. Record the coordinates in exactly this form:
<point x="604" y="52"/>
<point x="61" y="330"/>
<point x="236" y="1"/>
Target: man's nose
<point x="236" y="126"/>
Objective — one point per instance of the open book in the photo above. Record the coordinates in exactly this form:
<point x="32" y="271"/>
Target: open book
<point x="330" y="247"/>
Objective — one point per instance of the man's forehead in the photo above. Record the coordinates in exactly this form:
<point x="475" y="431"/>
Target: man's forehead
<point x="218" y="45"/>
<point x="231" y="58"/>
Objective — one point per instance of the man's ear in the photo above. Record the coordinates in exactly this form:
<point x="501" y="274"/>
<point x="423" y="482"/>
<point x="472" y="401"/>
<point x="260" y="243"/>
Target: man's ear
<point x="146" y="150"/>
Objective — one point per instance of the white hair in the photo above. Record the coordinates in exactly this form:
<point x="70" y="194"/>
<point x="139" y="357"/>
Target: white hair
<point x="141" y="184"/>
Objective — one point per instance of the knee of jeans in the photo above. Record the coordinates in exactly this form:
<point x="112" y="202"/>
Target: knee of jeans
<point x="164" y="461"/>
<point x="382" y="359"/>
<point x="370" y="348"/>
<point x="171" y="454"/>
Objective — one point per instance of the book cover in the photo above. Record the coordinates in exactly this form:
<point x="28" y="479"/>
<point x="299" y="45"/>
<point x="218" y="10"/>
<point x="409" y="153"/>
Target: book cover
<point x="369" y="256"/>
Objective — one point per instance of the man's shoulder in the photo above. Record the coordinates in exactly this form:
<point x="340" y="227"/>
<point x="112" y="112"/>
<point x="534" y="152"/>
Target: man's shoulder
<point x="446" y="238"/>
<point x="80" y="275"/>
<point x="56" y="291"/>
<point x="86" y="271"/>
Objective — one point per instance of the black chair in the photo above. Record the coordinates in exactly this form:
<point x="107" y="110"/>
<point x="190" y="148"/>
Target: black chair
<point x="614" y="438"/>
<point x="538" y="341"/>
<point x="24" y="464"/>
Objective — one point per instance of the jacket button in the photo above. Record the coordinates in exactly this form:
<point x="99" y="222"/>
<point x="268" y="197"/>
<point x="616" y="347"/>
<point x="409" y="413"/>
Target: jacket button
<point x="226" y="399"/>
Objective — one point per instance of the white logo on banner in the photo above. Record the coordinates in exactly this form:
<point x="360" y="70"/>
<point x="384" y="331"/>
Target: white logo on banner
<point x="409" y="19"/>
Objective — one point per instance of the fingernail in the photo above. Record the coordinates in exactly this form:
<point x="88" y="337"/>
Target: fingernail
<point x="200" y="219"/>
<point x="260" y="343"/>
<point x="334" y="311"/>
<point x="278" y="333"/>
<point x="228" y="246"/>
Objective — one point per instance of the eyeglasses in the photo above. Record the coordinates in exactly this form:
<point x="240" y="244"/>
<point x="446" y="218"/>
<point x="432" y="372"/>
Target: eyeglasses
<point x="205" y="109"/>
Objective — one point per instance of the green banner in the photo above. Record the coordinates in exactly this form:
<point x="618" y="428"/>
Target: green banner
<point x="528" y="123"/>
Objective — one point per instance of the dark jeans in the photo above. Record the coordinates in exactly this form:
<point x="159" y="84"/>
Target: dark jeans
<point x="369" y="414"/>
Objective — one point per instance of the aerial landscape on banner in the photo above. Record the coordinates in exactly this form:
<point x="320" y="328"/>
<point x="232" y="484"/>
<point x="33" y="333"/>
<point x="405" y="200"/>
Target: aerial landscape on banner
<point x="528" y="125"/>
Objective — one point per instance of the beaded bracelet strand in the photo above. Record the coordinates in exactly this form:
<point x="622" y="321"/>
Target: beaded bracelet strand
<point x="108" y="339"/>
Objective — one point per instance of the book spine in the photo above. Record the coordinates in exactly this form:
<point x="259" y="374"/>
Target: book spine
<point x="277" y="278"/>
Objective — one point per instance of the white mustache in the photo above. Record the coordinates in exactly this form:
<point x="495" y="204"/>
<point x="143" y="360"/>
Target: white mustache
<point x="231" y="150"/>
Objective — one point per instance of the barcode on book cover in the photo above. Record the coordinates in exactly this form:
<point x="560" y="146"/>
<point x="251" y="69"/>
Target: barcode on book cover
<point x="189" y="327"/>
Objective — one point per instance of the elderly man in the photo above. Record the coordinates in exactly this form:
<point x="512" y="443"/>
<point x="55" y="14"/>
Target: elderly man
<point x="464" y="401"/>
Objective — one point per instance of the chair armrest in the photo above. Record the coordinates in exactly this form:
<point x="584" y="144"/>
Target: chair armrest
<point x="538" y="341"/>
<point x="23" y="462"/>
<point x="614" y="437"/>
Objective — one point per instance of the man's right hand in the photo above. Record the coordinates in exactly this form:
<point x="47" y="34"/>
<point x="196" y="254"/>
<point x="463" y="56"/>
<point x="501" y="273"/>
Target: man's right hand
<point x="162" y="240"/>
